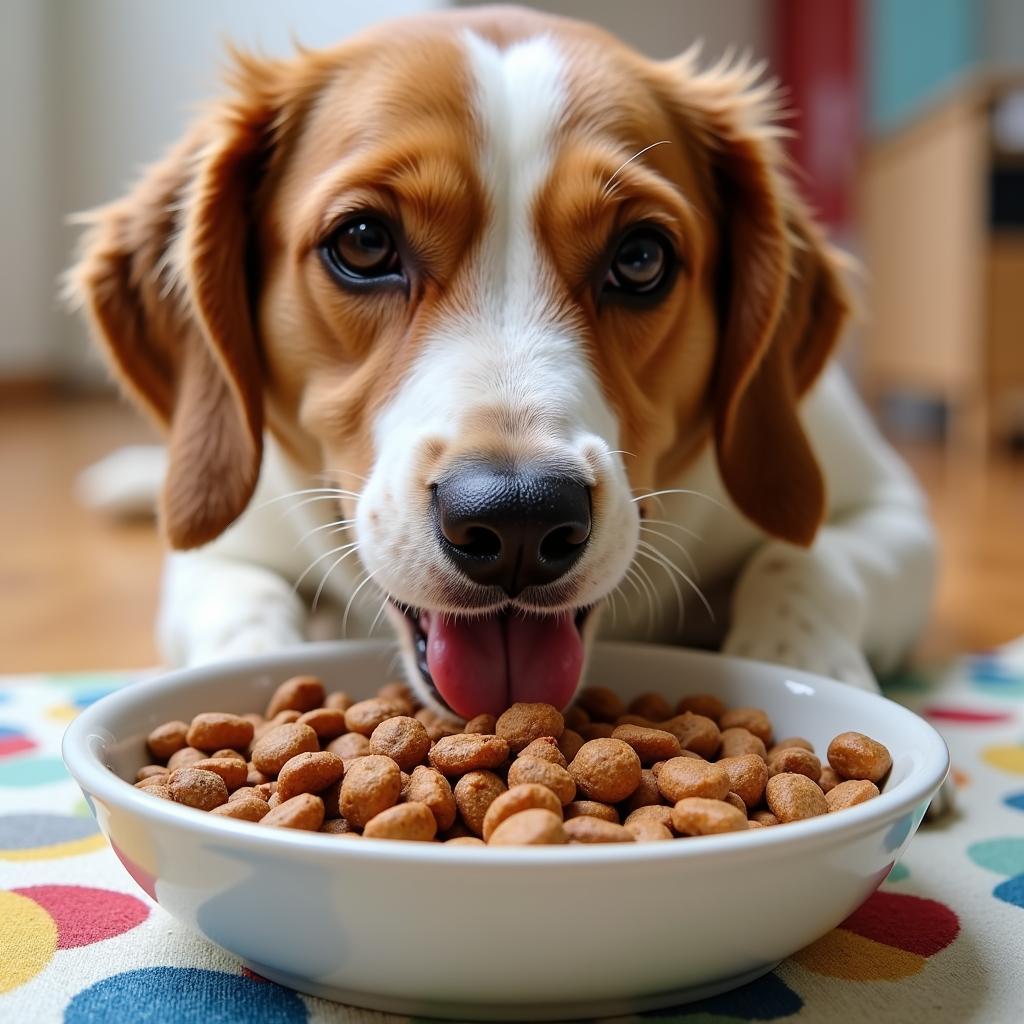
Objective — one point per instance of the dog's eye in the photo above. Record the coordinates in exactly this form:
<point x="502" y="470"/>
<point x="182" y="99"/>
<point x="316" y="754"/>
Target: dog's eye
<point x="641" y="264"/>
<point x="362" y="249"/>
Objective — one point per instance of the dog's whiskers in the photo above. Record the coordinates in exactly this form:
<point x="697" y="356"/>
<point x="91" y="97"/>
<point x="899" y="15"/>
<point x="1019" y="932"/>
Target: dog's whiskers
<point x="644" y="551"/>
<point x="674" y="525"/>
<point x="644" y="528"/>
<point x="354" y="547"/>
<point x="679" y="490"/>
<point x="653" y="553"/>
<point x="340" y="524"/>
<point x="355" y="593"/>
<point x="316" y="561"/>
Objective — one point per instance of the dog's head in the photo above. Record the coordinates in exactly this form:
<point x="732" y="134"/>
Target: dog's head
<point x="464" y="264"/>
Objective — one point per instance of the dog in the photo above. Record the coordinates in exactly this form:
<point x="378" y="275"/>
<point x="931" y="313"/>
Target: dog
<point x="487" y="325"/>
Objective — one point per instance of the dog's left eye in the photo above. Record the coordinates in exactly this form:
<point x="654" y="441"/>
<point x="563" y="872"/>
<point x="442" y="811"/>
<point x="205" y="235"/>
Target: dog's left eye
<point x="641" y="264"/>
<point x="362" y="249"/>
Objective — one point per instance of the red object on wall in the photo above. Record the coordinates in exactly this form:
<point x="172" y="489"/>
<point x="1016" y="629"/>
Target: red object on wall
<point x="818" y="56"/>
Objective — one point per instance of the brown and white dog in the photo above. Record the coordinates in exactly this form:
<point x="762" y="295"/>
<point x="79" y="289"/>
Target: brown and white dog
<point x="528" y="331"/>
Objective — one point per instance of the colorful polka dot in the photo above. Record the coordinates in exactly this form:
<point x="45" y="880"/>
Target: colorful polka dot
<point x="185" y="995"/>
<point x="1004" y="856"/>
<point x="14" y="741"/>
<point x="90" y="696"/>
<point x="47" y="836"/>
<point x="966" y="716"/>
<point x="29" y="939"/>
<point x="85" y="915"/>
<point x="767" y="998"/>
<point x="994" y="676"/>
<point x="898" y="873"/>
<point x="1015" y="800"/>
<point x="31" y="771"/>
<point x="1005" y="758"/>
<point x="61" y="712"/>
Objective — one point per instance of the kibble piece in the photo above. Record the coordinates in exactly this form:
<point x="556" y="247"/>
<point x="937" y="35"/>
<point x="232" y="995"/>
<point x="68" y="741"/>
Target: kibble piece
<point x="694" y="732"/>
<point x="149" y="771"/>
<point x="653" y="812"/>
<point x="748" y="775"/>
<point x="706" y="704"/>
<point x="765" y="818"/>
<point x="366" y="715"/>
<point x="197" y="788"/>
<point x="607" y="770"/>
<point x="736" y="742"/>
<point x="734" y="801"/>
<point x="464" y="841"/>
<point x="233" y="772"/>
<point x="628" y="719"/>
<point x="792" y="741"/>
<point x="436" y="726"/>
<point x="796" y="760"/>
<point x="456" y="755"/>
<point x="585" y="829"/>
<point x="281" y="744"/>
<point x="212" y="730"/>
<point x="597" y="731"/>
<point x="683" y="777"/>
<point x="474" y="793"/>
<point x="412" y="822"/>
<point x="304" y="812"/>
<point x="153" y="780"/>
<point x="644" y="795"/>
<point x="650" y="744"/>
<point x="652" y="706"/>
<point x="754" y="720"/>
<point x="163" y="792"/>
<point x="602" y="704"/>
<point x="185" y="757"/>
<point x="575" y="717"/>
<point x="285" y="717"/>
<point x="793" y="797"/>
<point x="399" y="694"/>
<point x="255" y="777"/>
<point x="522" y="723"/>
<point x="402" y="739"/>
<point x="167" y="739"/>
<point x="569" y="744"/>
<point x="309" y="772"/>
<point x="753" y="824"/>
<point x="339" y="701"/>
<point x="338" y="827"/>
<point x="518" y="798"/>
<point x="545" y="773"/>
<point x="247" y="808"/>
<point x="592" y="809"/>
<point x="371" y="784"/>
<point x="535" y="827"/>
<point x="300" y="693"/>
<point x="228" y="752"/>
<point x="856" y="756"/>
<point x="647" y="830"/>
<point x="429" y="787"/>
<point x="483" y="724"/>
<point x="828" y="780"/>
<point x="546" y="748"/>
<point x="850" y="793"/>
<point x="349" y="745"/>
<point x="327" y="723"/>
<point x="697" y="816"/>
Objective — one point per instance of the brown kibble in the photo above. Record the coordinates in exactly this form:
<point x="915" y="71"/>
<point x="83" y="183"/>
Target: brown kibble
<point x="483" y="724"/>
<point x="698" y="816"/>
<point x="167" y="739"/>
<point x="327" y="723"/>
<point x="592" y="809"/>
<point x="428" y="786"/>
<point x="412" y="822"/>
<point x="522" y="723"/>
<point x="338" y="701"/>
<point x="309" y="772"/>
<point x="652" y="812"/>
<point x="736" y="742"/>
<point x="464" y="841"/>
<point x="796" y="760"/>
<point x="338" y="827"/>
<point x="525" y="770"/>
<point x="694" y="732"/>
<point x="597" y="731"/>
<point x="575" y="717"/>
<point x="683" y="777"/>
<point x="828" y="780"/>
<point x="247" y="808"/>
<point x="584" y="829"/>
<point x="456" y="755"/>
<point x="300" y="693"/>
<point x="401" y="695"/>
<point x="569" y="744"/>
<point x="793" y="797"/>
<point x="734" y="801"/>
<point x="304" y="812"/>
<point x="436" y="726"/>
<point x="232" y="771"/>
<point x="163" y="792"/>
<point x="705" y="704"/>
<point x="281" y="744"/>
<point x="152" y="780"/>
<point x="792" y="741"/>
<point x="748" y="775"/>
<point x="627" y="719"/>
<point x="652" y="706"/>
<point x="546" y="748"/>
<point x="850" y="793"/>
<point x="754" y="720"/>
<point x="645" y="794"/>
<point x="856" y="756"/>
<point x="185" y="757"/>
<point x="515" y="799"/>
<point x="650" y="744"/>
<point x="371" y="784"/>
<point x="646" y="830"/>
<point x="402" y="739"/>
<point x="606" y="770"/>
<point x="212" y="730"/>
<point x="255" y="777"/>
<point x="602" y="704"/>
<point x="765" y="818"/>
<point x="197" y="788"/>
<point x="228" y="752"/>
<point x="366" y="715"/>
<point x="754" y="824"/>
<point x="285" y="717"/>
<point x="350" y="745"/>
<point x="149" y="771"/>
<point x="474" y="794"/>
<point x="534" y="827"/>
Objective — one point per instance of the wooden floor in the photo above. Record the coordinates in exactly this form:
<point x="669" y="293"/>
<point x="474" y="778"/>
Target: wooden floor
<point x="80" y="592"/>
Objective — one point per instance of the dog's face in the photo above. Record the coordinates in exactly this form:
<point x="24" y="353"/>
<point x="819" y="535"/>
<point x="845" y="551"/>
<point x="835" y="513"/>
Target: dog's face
<point x="501" y="276"/>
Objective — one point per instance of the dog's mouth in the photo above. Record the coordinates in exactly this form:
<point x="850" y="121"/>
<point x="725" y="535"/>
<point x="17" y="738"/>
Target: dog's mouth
<point x="482" y="664"/>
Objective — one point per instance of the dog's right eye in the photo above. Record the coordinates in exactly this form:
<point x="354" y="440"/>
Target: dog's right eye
<point x="362" y="250"/>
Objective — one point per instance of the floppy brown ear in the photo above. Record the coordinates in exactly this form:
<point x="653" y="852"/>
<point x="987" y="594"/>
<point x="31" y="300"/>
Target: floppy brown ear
<point x="164" y="278"/>
<point x="781" y="308"/>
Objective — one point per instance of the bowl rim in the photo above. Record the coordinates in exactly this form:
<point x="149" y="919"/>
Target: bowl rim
<point x="86" y="735"/>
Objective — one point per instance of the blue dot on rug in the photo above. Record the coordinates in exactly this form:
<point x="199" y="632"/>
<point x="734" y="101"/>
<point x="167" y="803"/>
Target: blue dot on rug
<point x="184" y="995"/>
<point x="1011" y="891"/>
<point x="1015" y="800"/>
<point x="767" y="998"/>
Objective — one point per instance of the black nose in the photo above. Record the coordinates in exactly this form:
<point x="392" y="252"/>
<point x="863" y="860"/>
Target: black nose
<point x="512" y="530"/>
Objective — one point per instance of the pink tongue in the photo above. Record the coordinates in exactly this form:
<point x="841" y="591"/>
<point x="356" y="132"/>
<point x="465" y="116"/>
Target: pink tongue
<point x="484" y="665"/>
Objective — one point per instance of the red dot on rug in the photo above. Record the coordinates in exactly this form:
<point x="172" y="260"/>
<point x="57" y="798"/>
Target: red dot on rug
<point x="968" y="716"/>
<point x="910" y="923"/>
<point x="85" y="915"/>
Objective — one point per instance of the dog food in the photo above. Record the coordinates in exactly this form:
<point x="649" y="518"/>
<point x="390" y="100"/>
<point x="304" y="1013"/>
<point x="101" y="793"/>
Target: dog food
<point x="385" y="768"/>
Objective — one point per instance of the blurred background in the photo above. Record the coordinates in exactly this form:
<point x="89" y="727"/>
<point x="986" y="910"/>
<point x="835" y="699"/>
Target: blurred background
<point x="911" y="149"/>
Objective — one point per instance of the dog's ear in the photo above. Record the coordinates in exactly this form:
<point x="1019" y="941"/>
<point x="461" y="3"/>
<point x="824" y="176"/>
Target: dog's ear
<point x="781" y="303"/>
<point x="165" y="276"/>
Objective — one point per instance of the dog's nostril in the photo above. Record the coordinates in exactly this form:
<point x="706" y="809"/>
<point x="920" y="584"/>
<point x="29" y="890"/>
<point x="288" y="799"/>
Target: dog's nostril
<point x="481" y="543"/>
<point x="563" y="543"/>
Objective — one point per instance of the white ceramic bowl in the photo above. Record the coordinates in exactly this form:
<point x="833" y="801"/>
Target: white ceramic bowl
<point x="529" y="933"/>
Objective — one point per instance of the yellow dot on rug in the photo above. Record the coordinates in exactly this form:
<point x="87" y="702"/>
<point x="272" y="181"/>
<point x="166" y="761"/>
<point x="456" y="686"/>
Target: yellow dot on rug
<point x="27" y="941"/>
<point x="1007" y="759"/>
<point x="844" y="954"/>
